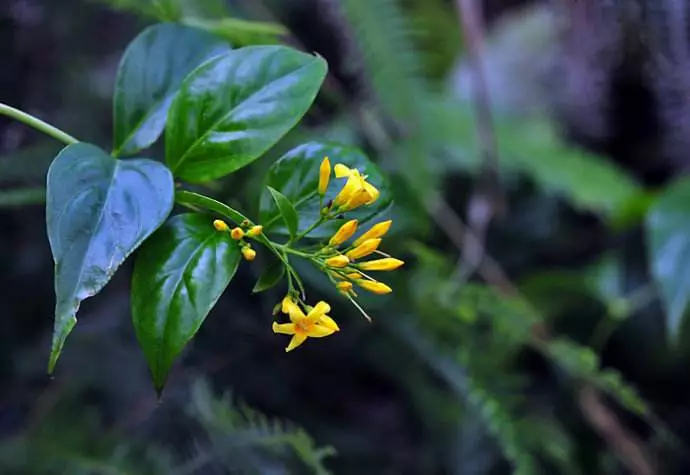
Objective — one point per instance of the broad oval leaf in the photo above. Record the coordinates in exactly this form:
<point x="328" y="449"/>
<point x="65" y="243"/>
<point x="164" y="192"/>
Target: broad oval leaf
<point x="296" y="175"/>
<point x="233" y="108"/>
<point x="98" y="210"/>
<point x="150" y="73"/>
<point x="668" y="233"/>
<point x="286" y="210"/>
<point x="179" y="275"/>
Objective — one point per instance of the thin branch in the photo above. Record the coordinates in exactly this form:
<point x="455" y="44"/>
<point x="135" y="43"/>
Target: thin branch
<point x="627" y="447"/>
<point x="487" y="201"/>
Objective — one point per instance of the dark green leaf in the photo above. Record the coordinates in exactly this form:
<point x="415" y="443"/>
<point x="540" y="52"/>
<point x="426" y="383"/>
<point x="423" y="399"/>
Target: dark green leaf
<point x="296" y="175"/>
<point x="272" y="276"/>
<point x="233" y="108"/>
<point x="179" y="275"/>
<point x="151" y="72"/>
<point x="99" y="210"/>
<point x="287" y="211"/>
<point x="668" y="231"/>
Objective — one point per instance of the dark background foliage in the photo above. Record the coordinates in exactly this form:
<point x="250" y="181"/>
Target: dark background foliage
<point x="450" y="377"/>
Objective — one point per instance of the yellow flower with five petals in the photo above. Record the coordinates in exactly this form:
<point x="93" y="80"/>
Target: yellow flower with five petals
<point x="315" y="324"/>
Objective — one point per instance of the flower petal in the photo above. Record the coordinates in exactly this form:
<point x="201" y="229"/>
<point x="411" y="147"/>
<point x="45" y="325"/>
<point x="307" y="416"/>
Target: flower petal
<point x="296" y="341"/>
<point x="318" y="311"/>
<point x="284" y="328"/>
<point x="341" y="170"/>
<point x="319" y="331"/>
<point x="328" y="322"/>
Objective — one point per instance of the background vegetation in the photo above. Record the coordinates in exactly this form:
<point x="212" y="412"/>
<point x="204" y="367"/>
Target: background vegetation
<point x="537" y="327"/>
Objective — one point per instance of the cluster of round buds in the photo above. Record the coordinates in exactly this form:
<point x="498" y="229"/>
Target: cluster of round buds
<point x="239" y="233"/>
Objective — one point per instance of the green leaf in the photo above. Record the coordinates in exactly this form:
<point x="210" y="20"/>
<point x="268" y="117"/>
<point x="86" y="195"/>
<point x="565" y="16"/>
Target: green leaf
<point x="241" y="32"/>
<point x="150" y="74"/>
<point x="296" y="175"/>
<point x="287" y="211"/>
<point x="273" y="274"/>
<point x="668" y="234"/>
<point x="98" y="210"/>
<point x="233" y="108"/>
<point x="179" y="275"/>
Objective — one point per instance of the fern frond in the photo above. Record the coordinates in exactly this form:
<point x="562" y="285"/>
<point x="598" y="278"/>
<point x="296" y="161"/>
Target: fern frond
<point x="234" y="425"/>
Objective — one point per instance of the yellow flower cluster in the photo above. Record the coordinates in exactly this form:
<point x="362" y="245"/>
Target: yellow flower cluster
<point x="343" y="265"/>
<point x="315" y="324"/>
<point x="238" y="233"/>
<point x="339" y="261"/>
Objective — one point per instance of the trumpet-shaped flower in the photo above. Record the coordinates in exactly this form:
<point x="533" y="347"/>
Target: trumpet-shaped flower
<point x="388" y="263"/>
<point x="315" y="324"/>
<point x="364" y="249"/>
<point x="344" y="233"/>
<point x="376" y="231"/>
<point x="356" y="192"/>
<point x="324" y="175"/>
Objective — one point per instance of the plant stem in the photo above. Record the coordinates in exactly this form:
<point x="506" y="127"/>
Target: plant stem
<point x="318" y="223"/>
<point x="37" y="124"/>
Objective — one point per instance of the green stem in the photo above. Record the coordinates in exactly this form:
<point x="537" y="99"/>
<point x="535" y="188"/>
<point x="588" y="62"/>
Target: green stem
<point x="193" y="200"/>
<point x="318" y="223"/>
<point x="37" y="124"/>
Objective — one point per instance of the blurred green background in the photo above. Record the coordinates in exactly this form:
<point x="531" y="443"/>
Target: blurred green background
<point x="525" y="334"/>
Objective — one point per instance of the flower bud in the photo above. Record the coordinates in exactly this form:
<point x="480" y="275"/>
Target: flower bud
<point x="337" y="261"/>
<point x="388" y="263"/>
<point x="344" y="233"/>
<point x="220" y="225"/>
<point x="248" y="253"/>
<point x="378" y="288"/>
<point x="324" y="175"/>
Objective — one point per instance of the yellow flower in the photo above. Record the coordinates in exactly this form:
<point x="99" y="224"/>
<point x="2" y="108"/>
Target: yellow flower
<point x="373" y="286"/>
<point x="356" y="192"/>
<point x="337" y="261"/>
<point x="220" y="225"/>
<point x="364" y="249"/>
<point x="376" y="231"/>
<point x="248" y="253"/>
<point x="344" y="233"/>
<point x="353" y="275"/>
<point x="324" y="175"/>
<point x="316" y="324"/>
<point x="388" y="263"/>
<point x="255" y="231"/>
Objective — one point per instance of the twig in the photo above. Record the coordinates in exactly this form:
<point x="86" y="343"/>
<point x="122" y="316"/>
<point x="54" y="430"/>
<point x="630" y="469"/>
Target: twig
<point x="487" y="201"/>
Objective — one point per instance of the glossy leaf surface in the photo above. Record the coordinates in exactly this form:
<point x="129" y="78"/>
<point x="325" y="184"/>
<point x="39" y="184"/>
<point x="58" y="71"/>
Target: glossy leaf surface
<point x="286" y="210"/>
<point x="296" y="175"/>
<point x="179" y="275"/>
<point x="233" y="108"/>
<point x="98" y="210"/>
<point x="150" y="73"/>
